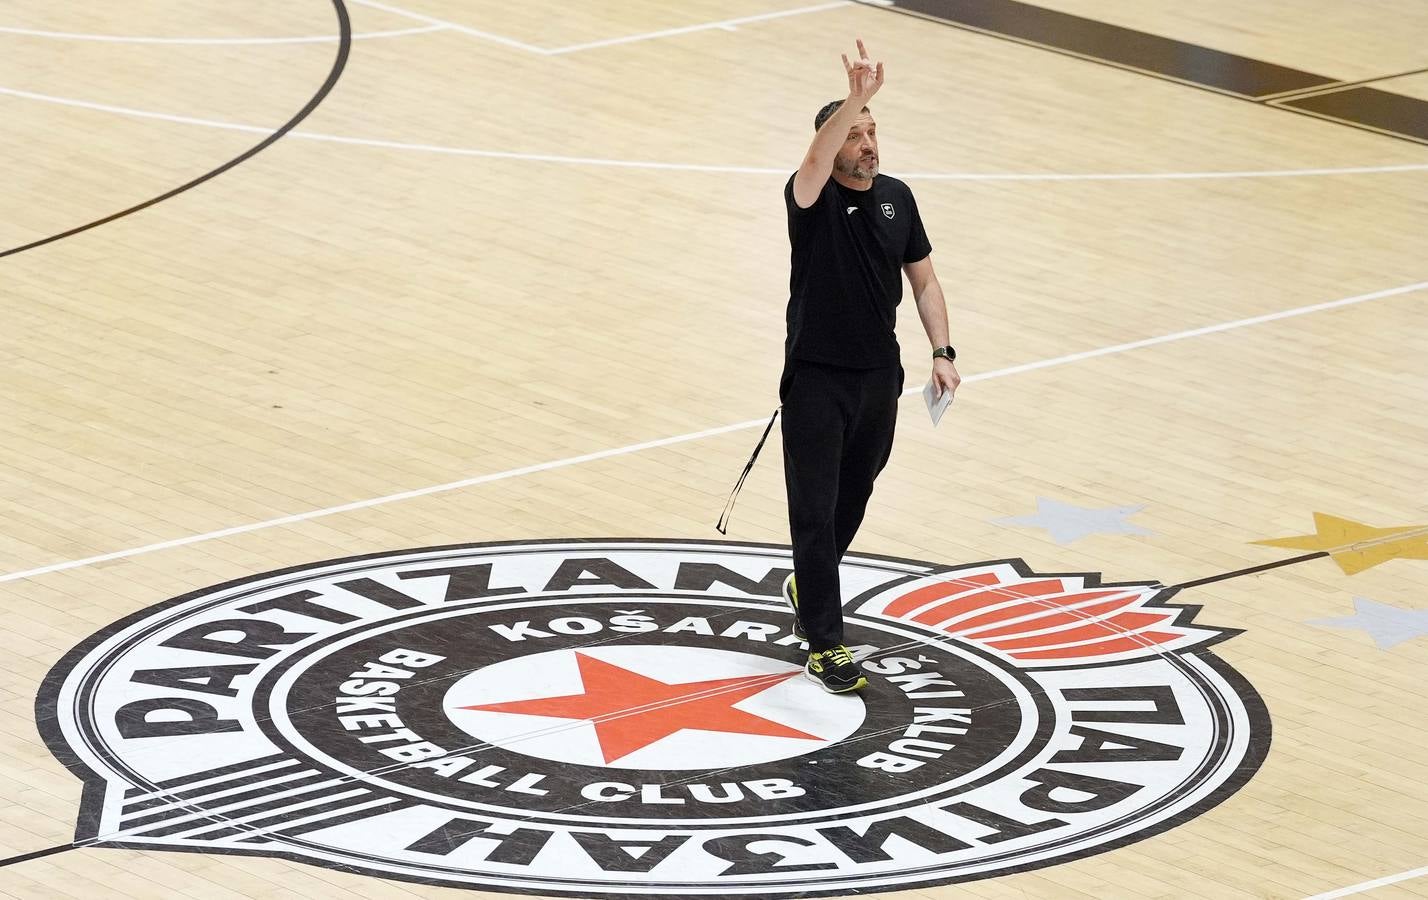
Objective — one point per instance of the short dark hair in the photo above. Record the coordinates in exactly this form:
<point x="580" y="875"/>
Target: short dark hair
<point x="827" y="111"/>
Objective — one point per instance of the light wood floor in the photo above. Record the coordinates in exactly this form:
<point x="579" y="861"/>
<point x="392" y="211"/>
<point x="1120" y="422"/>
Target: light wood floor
<point x="514" y="257"/>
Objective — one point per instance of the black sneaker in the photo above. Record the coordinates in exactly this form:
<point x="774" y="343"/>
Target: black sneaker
<point x="790" y="596"/>
<point x="835" y="670"/>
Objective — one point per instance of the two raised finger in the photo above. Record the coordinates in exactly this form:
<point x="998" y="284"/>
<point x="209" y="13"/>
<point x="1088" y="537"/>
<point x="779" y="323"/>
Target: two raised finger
<point x="859" y="66"/>
<point x="863" y="61"/>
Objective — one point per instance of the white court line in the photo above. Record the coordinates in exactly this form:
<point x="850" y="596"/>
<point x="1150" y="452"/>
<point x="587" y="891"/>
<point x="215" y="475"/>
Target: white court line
<point x="122" y="39"/>
<point x="378" y="501"/>
<point x="1157" y="176"/>
<point x="484" y="35"/>
<point x="1370" y="885"/>
<point x="1196" y="332"/>
<point x="698" y="167"/>
<point x="137" y="113"/>
<point x="685" y="438"/>
<point x="726" y="24"/>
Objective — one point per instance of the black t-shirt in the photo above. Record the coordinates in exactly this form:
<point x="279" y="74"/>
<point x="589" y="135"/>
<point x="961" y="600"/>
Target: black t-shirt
<point x="846" y="282"/>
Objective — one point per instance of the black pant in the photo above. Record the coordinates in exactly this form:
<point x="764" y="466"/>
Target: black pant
<point x="837" y="435"/>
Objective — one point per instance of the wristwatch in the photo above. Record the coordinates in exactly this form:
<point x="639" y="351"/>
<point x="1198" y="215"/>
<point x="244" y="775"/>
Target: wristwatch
<point x="949" y="353"/>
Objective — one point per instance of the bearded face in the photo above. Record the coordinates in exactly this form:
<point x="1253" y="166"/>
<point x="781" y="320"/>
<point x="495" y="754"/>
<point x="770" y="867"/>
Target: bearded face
<point x="857" y="159"/>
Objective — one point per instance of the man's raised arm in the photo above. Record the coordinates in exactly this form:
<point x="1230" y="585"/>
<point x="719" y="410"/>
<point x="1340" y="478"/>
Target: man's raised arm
<point x="864" y="79"/>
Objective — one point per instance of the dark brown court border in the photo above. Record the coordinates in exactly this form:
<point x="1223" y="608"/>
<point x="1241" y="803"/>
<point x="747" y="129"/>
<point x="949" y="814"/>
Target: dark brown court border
<point x="1241" y="77"/>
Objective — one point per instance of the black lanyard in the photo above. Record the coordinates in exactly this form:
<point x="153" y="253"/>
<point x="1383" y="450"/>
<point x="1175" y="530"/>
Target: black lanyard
<point x="723" y="524"/>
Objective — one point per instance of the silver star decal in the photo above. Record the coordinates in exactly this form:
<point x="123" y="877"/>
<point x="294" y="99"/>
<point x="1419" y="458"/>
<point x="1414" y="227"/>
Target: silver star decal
<point x="1389" y="625"/>
<point x="1067" y="522"/>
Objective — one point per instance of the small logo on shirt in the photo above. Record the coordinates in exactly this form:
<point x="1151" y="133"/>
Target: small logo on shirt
<point x="888" y="210"/>
<point x="852" y="209"/>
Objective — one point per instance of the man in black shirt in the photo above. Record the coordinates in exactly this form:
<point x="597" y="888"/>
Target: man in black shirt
<point x="853" y="233"/>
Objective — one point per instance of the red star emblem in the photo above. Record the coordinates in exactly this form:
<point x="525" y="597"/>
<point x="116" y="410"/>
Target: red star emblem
<point x="631" y="711"/>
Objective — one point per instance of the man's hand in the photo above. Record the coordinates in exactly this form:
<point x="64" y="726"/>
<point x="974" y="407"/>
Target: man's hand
<point x="944" y="375"/>
<point x="864" y="78"/>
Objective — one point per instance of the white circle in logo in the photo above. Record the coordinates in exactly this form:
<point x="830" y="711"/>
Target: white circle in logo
<point x="650" y="707"/>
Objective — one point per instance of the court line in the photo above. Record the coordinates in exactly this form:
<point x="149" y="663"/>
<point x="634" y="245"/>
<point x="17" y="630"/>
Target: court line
<point x="1370" y="885"/>
<point x="339" y="64"/>
<point x="1161" y="176"/>
<point x="420" y="17"/>
<point x="700" y="167"/>
<point x="121" y="39"/>
<point x="692" y="436"/>
<point x="1197" y="332"/>
<point x="726" y="24"/>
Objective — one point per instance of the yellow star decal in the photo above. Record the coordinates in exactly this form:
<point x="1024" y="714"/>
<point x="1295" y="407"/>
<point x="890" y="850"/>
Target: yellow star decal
<point x="1356" y="546"/>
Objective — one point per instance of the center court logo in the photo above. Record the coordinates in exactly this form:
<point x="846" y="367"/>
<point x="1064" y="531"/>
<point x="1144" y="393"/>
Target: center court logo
<point x="629" y="718"/>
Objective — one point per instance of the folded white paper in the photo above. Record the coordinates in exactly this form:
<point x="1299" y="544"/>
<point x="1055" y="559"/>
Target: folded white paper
<point x="936" y="405"/>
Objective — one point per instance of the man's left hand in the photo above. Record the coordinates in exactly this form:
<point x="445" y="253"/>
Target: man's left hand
<point x="944" y="375"/>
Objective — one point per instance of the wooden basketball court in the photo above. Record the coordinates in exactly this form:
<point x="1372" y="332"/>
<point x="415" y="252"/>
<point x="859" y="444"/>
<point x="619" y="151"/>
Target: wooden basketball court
<point x="490" y="275"/>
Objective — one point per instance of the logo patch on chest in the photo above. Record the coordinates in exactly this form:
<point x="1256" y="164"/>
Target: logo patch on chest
<point x="888" y="210"/>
